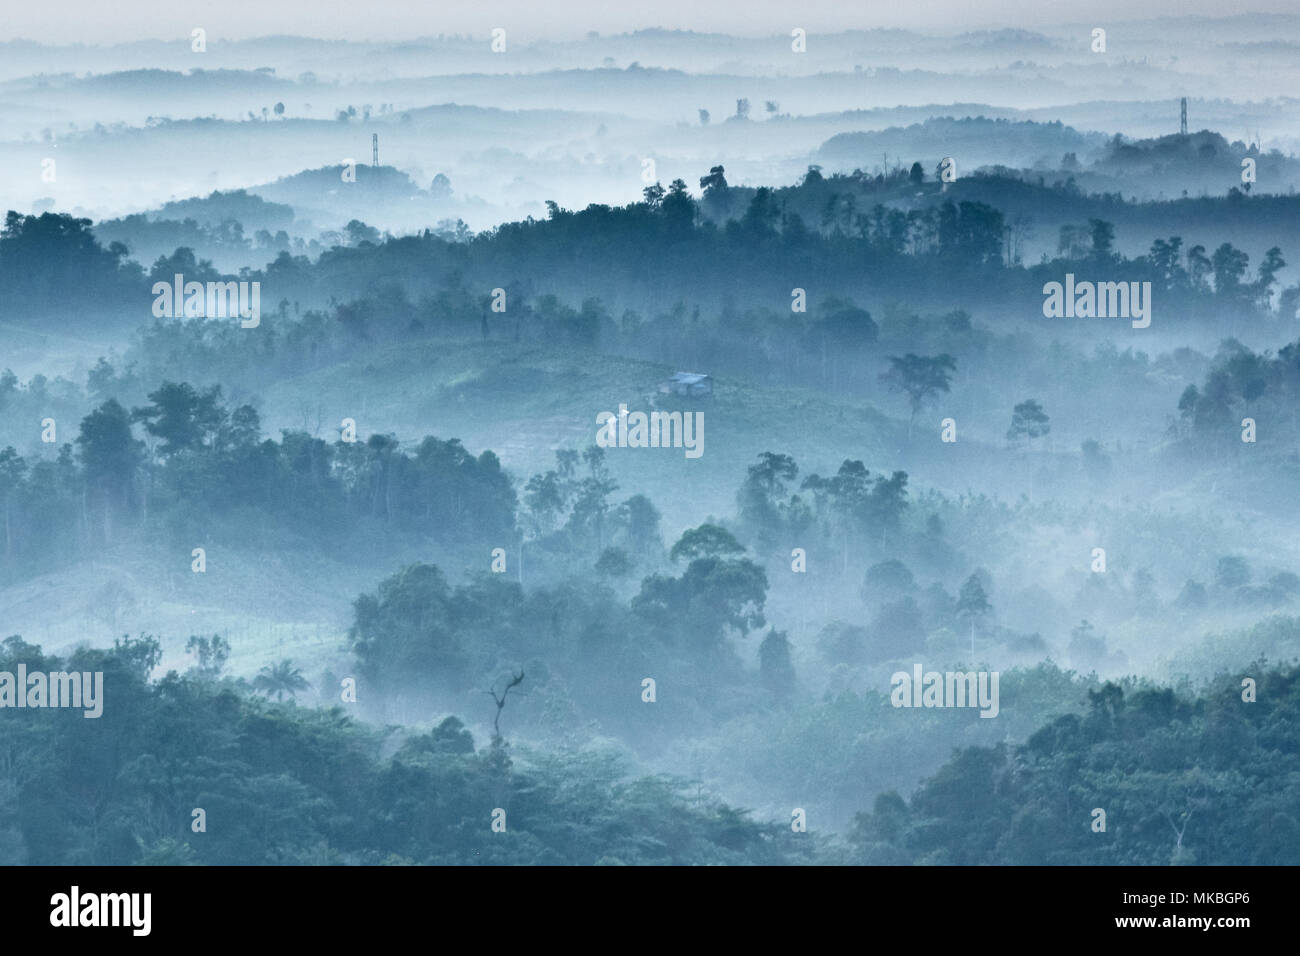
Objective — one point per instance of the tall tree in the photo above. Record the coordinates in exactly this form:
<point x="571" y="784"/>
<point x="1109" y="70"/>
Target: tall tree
<point x="182" y="417"/>
<point x="111" y="457"/>
<point x="919" y="378"/>
<point x="972" y="605"/>
<point x="12" y="469"/>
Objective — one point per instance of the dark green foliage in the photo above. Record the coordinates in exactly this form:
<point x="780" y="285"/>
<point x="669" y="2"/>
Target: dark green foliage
<point x="712" y="596"/>
<point x="407" y="631"/>
<point x="708" y="540"/>
<point x="285" y="785"/>
<point x="53" y="263"/>
<point x="1241" y="383"/>
<point x="1182" y="780"/>
<point x="209" y="463"/>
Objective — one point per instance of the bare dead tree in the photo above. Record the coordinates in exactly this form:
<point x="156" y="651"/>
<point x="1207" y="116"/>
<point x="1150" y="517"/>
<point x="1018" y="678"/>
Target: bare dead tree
<point x="500" y="701"/>
<point x="1194" y="800"/>
<point x="1179" y="831"/>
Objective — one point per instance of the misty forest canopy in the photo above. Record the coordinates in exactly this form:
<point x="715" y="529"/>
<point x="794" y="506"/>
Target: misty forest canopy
<point x="834" y="234"/>
<point x="187" y="460"/>
<point x="873" y="342"/>
<point x="292" y="785"/>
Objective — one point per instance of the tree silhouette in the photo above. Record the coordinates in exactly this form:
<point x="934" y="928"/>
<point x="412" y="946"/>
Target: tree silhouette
<point x="708" y="540"/>
<point x="1028" y="422"/>
<point x="111" y="456"/>
<point x="280" y="679"/>
<point x="973" y="605"/>
<point x="918" y="378"/>
<point x="715" y="181"/>
<point x="500" y="701"/>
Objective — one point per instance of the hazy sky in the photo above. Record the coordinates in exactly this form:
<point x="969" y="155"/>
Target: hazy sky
<point x="96" y="21"/>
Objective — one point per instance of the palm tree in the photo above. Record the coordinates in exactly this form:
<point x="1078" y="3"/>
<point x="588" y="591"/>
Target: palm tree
<point x="280" y="679"/>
